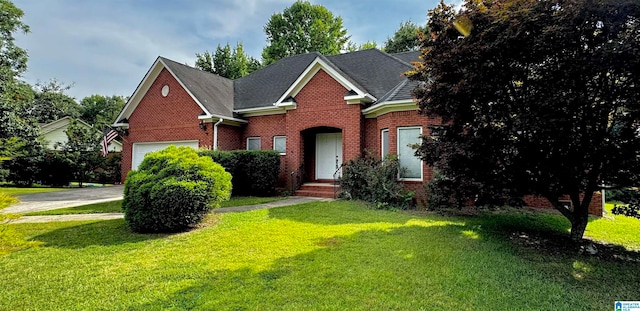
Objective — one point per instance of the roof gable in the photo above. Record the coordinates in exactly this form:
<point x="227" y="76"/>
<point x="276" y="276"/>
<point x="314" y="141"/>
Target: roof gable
<point x="320" y="63"/>
<point x="60" y="123"/>
<point x="264" y="87"/>
<point x="214" y="94"/>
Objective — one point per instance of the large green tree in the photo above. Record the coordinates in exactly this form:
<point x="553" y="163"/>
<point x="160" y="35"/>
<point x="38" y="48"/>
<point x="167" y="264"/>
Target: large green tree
<point x="99" y="110"/>
<point x="51" y="103"/>
<point x="19" y="146"/>
<point x="301" y="28"/>
<point x="82" y="150"/>
<point x="228" y="63"/>
<point x="405" y="39"/>
<point x="536" y="97"/>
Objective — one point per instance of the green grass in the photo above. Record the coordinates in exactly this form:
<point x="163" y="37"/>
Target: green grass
<point x="105" y="207"/>
<point x="242" y="201"/>
<point x="20" y="191"/>
<point x="317" y="256"/>
<point x="6" y="200"/>
<point x="616" y="229"/>
<point x="116" y="206"/>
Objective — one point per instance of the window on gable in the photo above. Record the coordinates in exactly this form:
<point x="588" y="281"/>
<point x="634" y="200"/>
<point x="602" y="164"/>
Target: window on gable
<point x="384" y="143"/>
<point x="411" y="164"/>
<point x="280" y="144"/>
<point x="253" y="143"/>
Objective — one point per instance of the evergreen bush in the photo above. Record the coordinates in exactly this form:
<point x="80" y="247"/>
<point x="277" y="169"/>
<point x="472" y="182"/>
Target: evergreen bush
<point x="255" y="172"/>
<point x="376" y="181"/>
<point x="172" y="190"/>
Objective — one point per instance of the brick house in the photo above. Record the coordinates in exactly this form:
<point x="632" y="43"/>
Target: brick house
<point x="317" y="111"/>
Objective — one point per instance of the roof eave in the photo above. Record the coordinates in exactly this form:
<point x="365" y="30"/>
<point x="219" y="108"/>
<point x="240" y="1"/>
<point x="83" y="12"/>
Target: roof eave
<point x="389" y="106"/>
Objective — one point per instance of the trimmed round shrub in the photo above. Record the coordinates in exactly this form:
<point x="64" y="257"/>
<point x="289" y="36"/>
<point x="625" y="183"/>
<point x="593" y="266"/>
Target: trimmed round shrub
<point x="172" y="190"/>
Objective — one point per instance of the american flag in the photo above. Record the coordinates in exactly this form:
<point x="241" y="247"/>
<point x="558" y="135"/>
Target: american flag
<point x="109" y="135"/>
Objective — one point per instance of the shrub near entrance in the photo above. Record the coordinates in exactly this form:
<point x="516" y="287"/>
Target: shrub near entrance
<point x="172" y="190"/>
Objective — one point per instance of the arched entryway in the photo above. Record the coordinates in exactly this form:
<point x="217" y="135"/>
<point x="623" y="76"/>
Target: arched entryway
<point x="323" y="152"/>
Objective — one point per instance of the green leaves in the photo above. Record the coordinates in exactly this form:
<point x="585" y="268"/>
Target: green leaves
<point x="539" y="98"/>
<point x="172" y="190"/>
<point x="301" y="28"/>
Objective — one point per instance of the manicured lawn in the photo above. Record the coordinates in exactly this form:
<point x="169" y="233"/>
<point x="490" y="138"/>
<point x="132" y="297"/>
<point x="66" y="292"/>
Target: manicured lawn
<point x="242" y="201"/>
<point x="20" y="191"/>
<point x="616" y="229"/>
<point x="116" y="206"/>
<point x="105" y="207"/>
<point x="317" y="256"/>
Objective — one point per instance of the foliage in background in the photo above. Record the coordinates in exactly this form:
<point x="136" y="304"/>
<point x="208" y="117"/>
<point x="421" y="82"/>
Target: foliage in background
<point x="255" y="172"/>
<point x="375" y="180"/>
<point x="100" y="111"/>
<point x="228" y="63"/>
<point x="18" y="130"/>
<point x="51" y="103"/>
<point x="301" y="28"/>
<point x="405" y="39"/>
<point x="624" y="195"/>
<point x="82" y="151"/>
<point x="536" y="97"/>
<point x="172" y="190"/>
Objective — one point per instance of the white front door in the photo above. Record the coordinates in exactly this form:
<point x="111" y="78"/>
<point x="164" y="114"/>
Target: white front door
<point x="328" y="154"/>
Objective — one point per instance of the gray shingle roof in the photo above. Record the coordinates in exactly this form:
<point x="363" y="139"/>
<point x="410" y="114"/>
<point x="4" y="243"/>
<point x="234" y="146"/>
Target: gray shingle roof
<point x="375" y="70"/>
<point x="264" y="87"/>
<point x="372" y="71"/>
<point x="213" y="91"/>
<point x="408" y="57"/>
<point x="402" y="91"/>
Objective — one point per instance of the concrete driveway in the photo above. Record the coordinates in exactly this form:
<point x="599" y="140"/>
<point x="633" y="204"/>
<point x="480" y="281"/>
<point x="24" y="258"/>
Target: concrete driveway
<point x="66" y="198"/>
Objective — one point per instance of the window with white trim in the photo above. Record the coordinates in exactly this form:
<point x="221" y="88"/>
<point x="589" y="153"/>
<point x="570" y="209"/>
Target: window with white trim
<point x="411" y="164"/>
<point x="253" y="143"/>
<point x="384" y="143"/>
<point x="280" y="144"/>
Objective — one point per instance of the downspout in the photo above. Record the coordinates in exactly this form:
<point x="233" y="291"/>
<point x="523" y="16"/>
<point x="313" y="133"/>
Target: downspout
<point x="215" y="134"/>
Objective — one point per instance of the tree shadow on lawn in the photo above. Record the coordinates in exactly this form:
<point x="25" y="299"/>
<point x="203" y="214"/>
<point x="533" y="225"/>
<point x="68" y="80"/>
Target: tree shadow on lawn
<point x="411" y="267"/>
<point x="102" y="233"/>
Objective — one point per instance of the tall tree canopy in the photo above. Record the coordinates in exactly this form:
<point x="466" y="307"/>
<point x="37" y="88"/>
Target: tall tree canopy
<point x="19" y="146"/>
<point x="536" y="97"/>
<point x="405" y="39"/>
<point x="301" y="28"/>
<point x="51" y="103"/>
<point x="228" y="63"/>
<point x="100" y="110"/>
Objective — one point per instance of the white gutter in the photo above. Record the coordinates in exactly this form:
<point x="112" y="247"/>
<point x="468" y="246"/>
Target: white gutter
<point x="215" y="134"/>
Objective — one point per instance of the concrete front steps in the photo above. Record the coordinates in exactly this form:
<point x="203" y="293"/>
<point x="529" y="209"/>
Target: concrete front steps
<point x="318" y="190"/>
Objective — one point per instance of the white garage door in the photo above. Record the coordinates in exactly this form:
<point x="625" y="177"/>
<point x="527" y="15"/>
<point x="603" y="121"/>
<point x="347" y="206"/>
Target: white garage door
<point x="141" y="149"/>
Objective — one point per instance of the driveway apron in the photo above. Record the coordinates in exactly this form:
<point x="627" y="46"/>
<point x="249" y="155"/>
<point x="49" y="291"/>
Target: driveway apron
<point x="66" y="198"/>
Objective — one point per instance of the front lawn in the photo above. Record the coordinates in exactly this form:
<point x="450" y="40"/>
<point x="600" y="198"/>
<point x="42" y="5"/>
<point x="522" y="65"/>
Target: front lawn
<point x="116" y="206"/>
<point x="97" y="208"/>
<point x="14" y="191"/>
<point x="316" y="256"/>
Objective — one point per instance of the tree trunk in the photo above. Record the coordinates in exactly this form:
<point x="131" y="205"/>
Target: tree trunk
<point x="578" y="226"/>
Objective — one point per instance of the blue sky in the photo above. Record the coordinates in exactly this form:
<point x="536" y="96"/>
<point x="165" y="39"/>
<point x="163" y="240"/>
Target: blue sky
<point x="106" y="47"/>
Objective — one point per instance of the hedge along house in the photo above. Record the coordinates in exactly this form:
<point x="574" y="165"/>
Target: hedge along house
<point x="317" y="111"/>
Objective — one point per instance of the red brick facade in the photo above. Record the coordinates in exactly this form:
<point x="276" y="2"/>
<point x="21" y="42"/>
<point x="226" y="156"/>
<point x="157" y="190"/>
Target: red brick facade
<point x="595" y="207"/>
<point x="320" y="108"/>
<point x="158" y="119"/>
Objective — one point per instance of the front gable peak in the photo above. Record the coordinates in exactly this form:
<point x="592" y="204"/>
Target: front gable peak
<point x="356" y="94"/>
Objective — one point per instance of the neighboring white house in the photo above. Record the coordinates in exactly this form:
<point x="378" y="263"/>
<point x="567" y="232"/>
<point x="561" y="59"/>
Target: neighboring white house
<point x="54" y="134"/>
